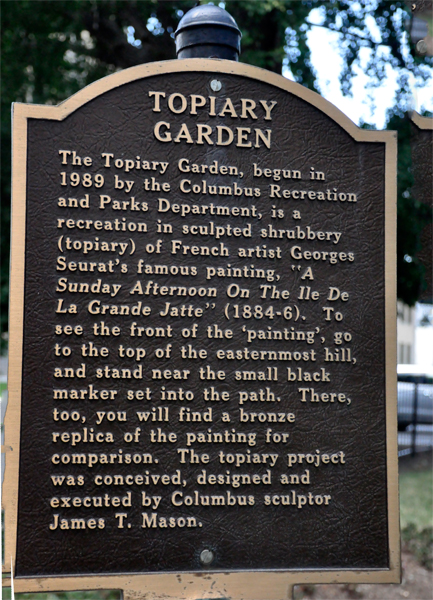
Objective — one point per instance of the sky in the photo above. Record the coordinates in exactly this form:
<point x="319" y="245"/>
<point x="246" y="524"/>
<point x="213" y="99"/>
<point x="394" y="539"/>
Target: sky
<point x="366" y="104"/>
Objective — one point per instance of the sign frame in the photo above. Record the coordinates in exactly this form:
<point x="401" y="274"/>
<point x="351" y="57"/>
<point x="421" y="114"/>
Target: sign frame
<point x="250" y="585"/>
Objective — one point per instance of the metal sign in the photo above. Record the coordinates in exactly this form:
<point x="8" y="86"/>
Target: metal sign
<point x="202" y="338"/>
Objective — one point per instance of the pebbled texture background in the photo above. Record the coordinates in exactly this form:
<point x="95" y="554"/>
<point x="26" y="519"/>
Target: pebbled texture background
<point x="352" y="532"/>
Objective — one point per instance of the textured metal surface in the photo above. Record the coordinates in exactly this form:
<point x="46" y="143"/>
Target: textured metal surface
<point x="352" y="533"/>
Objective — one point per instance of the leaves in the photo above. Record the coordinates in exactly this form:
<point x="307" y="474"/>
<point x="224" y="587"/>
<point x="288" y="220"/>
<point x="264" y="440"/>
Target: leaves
<point x="412" y="217"/>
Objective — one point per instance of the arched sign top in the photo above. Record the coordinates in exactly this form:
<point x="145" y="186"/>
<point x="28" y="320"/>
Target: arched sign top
<point x="132" y="74"/>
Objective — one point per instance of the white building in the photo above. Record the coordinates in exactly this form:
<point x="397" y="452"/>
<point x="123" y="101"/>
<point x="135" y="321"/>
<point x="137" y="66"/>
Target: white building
<point x="424" y="334"/>
<point x="405" y="334"/>
<point x="415" y="334"/>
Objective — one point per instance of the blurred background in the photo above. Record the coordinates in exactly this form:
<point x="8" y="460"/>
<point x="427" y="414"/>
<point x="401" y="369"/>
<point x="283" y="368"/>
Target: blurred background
<point x="373" y="60"/>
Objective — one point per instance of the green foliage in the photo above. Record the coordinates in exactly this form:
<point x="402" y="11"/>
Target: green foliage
<point x="52" y="48"/>
<point x="419" y="543"/>
<point x="416" y="499"/>
<point x="412" y="217"/>
<point x="270" y="29"/>
<point x="416" y="514"/>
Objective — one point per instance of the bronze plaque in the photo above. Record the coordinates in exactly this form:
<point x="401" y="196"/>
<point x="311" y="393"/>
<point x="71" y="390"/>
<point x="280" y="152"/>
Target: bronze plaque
<point x="203" y="331"/>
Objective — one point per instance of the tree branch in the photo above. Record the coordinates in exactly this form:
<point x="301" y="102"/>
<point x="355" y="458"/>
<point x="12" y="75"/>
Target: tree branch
<point x="357" y="35"/>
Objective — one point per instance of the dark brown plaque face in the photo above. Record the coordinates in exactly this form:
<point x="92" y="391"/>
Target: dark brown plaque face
<point x="204" y="350"/>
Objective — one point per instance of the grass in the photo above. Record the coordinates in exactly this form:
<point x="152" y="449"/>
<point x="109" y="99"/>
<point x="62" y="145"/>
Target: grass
<point x="419" y="543"/>
<point x="416" y="499"/>
<point x="416" y="514"/>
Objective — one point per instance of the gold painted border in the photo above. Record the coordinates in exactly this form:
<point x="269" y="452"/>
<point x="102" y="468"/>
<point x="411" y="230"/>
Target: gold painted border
<point x="236" y="585"/>
<point x="421" y="122"/>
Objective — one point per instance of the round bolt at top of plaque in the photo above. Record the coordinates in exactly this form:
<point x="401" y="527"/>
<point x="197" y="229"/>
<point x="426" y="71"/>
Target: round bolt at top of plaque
<point x="208" y="31"/>
<point x="421" y="47"/>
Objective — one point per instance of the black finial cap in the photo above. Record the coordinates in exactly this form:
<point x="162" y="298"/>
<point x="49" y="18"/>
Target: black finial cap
<point x="208" y="31"/>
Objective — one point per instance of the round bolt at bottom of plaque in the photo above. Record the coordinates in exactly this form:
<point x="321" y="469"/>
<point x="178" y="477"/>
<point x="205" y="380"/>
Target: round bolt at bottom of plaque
<point x="206" y="557"/>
